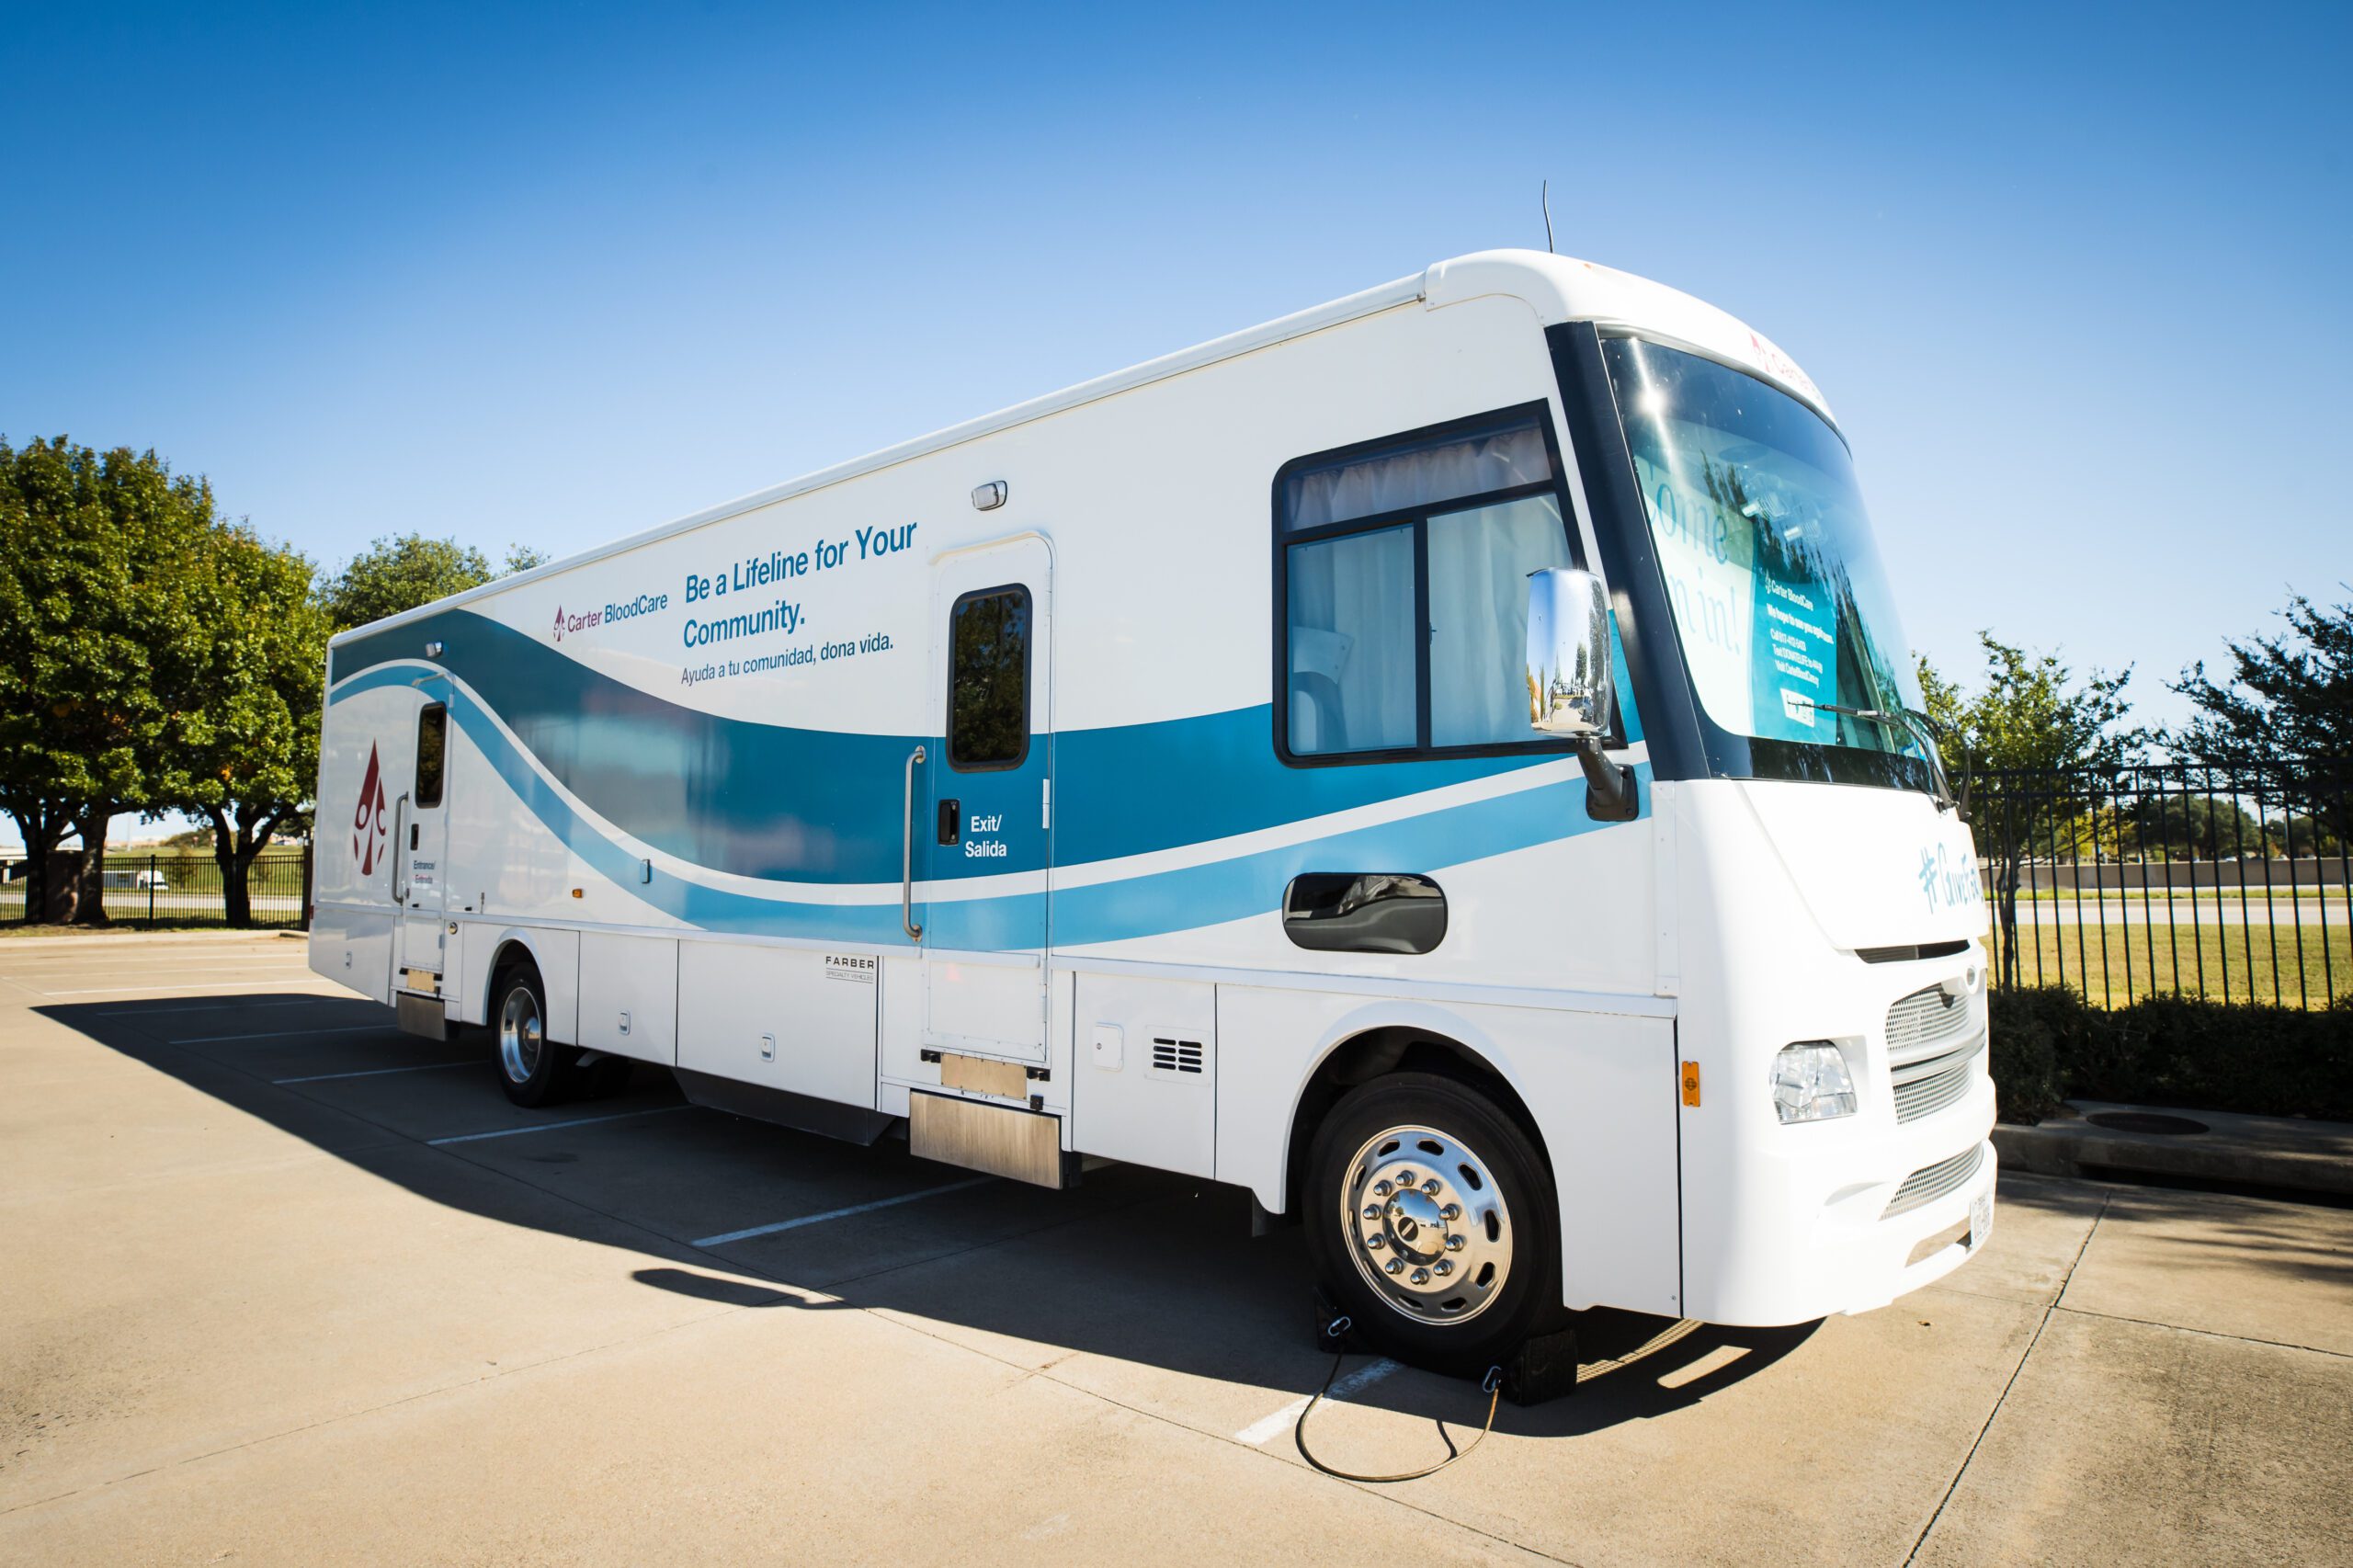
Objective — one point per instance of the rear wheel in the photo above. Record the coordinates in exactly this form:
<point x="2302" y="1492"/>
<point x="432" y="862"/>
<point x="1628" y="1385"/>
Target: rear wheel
<point x="531" y="1067"/>
<point x="1432" y="1222"/>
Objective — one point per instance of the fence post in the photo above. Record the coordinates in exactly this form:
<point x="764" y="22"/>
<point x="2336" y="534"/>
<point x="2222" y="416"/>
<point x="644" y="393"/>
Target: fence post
<point x="150" y="890"/>
<point x="303" y="915"/>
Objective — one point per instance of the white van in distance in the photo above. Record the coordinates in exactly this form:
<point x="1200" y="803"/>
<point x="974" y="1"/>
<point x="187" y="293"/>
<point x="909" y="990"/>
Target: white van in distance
<point x="1444" y="761"/>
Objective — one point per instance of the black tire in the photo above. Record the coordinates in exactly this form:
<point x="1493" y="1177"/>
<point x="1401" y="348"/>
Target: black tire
<point x="1493" y="1204"/>
<point x="532" y="1068"/>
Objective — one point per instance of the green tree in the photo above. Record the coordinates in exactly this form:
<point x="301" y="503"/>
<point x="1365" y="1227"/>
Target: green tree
<point x="395" y="574"/>
<point x="2038" y="750"/>
<point x="244" y="752"/>
<point x="2195" y="826"/>
<point x="2285" y="714"/>
<point x="2288" y="695"/>
<point x="98" y="619"/>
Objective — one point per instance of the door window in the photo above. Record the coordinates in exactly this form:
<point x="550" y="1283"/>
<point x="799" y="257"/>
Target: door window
<point x="988" y="680"/>
<point x="432" y="747"/>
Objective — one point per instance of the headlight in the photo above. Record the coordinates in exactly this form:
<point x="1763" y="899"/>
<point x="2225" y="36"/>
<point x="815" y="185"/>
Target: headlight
<point x="1811" y="1082"/>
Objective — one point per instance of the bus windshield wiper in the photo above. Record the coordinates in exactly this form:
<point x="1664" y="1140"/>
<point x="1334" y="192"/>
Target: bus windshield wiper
<point x="1914" y="725"/>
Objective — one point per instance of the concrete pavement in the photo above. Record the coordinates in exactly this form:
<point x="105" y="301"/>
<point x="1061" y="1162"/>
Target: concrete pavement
<point x="281" y="1284"/>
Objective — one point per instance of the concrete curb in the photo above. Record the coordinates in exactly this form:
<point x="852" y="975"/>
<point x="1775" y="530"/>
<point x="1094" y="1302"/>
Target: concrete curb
<point x="122" y="937"/>
<point x="2258" y="1150"/>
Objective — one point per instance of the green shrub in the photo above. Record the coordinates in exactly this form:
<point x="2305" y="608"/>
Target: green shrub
<point x="2049" y="1045"/>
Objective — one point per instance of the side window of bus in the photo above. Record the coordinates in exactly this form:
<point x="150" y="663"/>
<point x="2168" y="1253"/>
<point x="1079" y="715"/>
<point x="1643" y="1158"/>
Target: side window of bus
<point x="432" y="749"/>
<point x="988" y="680"/>
<point x="1401" y="567"/>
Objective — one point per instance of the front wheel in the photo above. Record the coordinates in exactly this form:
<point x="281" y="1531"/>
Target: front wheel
<point x="1432" y="1222"/>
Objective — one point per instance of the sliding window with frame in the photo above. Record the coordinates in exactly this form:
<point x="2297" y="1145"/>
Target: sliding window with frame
<point x="1401" y="590"/>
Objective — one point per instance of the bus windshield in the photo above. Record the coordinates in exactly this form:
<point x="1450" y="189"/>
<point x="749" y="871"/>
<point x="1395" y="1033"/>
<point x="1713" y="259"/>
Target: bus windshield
<point x="1777" y="596"/>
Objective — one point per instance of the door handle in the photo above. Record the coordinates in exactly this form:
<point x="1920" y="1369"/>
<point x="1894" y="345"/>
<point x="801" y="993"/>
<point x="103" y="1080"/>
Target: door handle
<point x="400" y="855"/>
<point x="907" y="853"/>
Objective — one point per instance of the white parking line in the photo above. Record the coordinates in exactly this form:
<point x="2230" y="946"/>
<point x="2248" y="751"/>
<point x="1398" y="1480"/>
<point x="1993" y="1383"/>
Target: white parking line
<point x="1281" y="1421"/>
<point x="376" y="1072"/>
<point x="726" y="1236"/>
<point x="552" y="1126"/>
<point x="282" y="1034"/>
<point x="213" y="989"/>
<point x="154" y="1012"/>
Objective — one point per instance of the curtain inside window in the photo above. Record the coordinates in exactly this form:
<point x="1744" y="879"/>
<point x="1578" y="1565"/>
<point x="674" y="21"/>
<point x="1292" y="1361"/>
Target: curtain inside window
<point x="1480" y="561"/>
<point x="1352" y="642"/>
<point x="1424" y="474"/>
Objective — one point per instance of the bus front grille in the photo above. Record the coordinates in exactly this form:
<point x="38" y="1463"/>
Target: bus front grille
<point x="1931" y="1182"/>
<point x="1932" y="1020"/>
<point x="1933" y="1041"/>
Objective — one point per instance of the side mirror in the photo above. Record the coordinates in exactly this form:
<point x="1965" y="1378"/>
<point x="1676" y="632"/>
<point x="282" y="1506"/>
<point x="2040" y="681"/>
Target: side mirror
<point x="1568" y="652"/>
<point x="1569" y="680"/>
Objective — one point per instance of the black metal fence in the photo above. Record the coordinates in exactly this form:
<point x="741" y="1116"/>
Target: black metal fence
<point x="2175" y="878"/>
<point x="167" y="889"/>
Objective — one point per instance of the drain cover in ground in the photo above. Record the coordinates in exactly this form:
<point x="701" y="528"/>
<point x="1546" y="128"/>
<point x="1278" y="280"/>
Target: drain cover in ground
<point x="2145" y="1121"/>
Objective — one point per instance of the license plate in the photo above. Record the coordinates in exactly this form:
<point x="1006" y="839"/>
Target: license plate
<point x="1981" y="1220"/>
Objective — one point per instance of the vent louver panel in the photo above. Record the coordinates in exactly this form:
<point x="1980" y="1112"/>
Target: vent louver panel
<point x="1175" y="1057"/>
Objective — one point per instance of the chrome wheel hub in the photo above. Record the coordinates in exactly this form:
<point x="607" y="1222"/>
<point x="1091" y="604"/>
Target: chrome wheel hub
<point x="521" y="1036"/>
<point x="1431" y="1235"/>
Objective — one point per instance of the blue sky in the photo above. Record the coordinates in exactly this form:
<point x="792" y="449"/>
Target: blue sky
<point x="2074" y="277"/>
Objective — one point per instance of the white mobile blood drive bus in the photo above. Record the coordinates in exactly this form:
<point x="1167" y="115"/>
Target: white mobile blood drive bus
<point x="1440" y="761"/>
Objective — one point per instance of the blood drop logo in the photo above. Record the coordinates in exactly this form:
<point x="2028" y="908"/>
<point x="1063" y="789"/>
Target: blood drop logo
<point x="368" y="822"/>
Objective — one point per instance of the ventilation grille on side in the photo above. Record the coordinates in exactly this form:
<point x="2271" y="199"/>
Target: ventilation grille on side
<point x="1175" y="1057"/>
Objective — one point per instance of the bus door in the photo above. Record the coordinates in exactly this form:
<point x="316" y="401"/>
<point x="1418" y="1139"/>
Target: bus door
<point x="984" y="846"/>
<point x="421" y="826"/>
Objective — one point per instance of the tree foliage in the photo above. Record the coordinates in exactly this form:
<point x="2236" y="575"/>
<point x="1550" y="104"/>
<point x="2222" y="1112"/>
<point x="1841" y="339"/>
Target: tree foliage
<point x="155" y="657"/>
<point x="244" y="755"/>
<point x="101" y="623"/>
<point x="395" y="574"/>
<point x="2286" y="696"/>
<point x="2032" y="714"/>
<point x="2284" y="715"/>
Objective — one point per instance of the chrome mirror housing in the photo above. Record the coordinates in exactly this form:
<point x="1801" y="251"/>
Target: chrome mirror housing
<point x="1569" y="681"/>
<point x="1568" y="652"/>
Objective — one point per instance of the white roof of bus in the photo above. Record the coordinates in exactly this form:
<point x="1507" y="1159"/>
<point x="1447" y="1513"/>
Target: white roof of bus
<point x="1558" y="287"/>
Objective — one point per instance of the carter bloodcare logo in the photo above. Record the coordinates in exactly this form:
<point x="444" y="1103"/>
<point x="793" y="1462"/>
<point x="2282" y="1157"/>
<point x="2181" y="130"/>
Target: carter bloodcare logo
<point x="367" y="822"/>
<point x="580" y="622"/>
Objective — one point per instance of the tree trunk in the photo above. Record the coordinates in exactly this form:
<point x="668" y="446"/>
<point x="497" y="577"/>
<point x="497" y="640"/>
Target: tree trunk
<point x="40" y="826"/>
<point x="2011" y="842"/>
<point x="236" y="898"/>
<point x="90" y="907"/>
<point x="236" y="904"/>
<point x="233" y="850"/>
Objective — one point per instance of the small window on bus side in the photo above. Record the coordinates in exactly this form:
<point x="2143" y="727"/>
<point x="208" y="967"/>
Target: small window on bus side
<point x="988" y="680"/>
<point x="432" y="755"/>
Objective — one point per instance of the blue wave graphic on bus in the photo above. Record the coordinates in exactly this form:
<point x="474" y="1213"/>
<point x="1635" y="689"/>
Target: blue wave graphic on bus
<point x="1143" y="905"/>
<point x="776" y="803"/>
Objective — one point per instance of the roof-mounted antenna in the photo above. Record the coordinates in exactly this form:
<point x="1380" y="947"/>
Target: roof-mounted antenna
<point x="1545" y="193"/>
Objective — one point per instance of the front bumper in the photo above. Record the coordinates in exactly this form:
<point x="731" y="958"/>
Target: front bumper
<point x="1815" y="1235"/>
